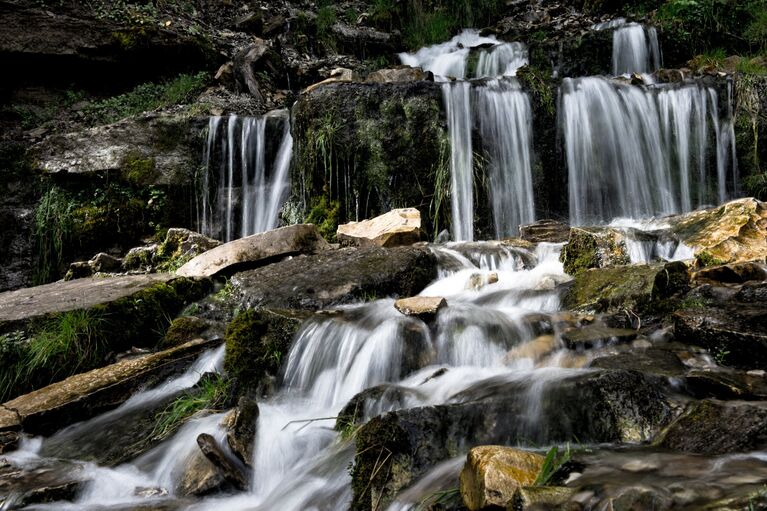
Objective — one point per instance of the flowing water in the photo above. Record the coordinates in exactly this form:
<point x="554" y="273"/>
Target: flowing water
<point x="501" y="111"/>
<point x="246" y="175"/>
<point x="639" y="152"/>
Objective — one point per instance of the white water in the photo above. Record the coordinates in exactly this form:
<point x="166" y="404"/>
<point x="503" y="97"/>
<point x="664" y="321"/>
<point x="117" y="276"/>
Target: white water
<point x="635" y="49"/>
<point x="242" y="190"/>
<point x="501" y="110"/>
<point x="641" y="152"/>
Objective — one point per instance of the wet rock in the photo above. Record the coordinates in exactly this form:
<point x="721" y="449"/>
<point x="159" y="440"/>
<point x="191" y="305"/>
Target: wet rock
<point x="735" y="273"/>
<point x="395" y="228"/>
<point x="423" y="307"/>
<point x="140" y="258"/>
<point x="399" y="74"/>
<point x="717" y="427"/>
<point x="591" y="336"/>
<point x="257" y="340"/>
<point x="736" y="335"/>
<point x="233" y="473"/>
<point x="541" y="497"/>
<point x="623" y="406"/>
<point x="9" y="441"/>
<point x="635" y="287"/>
<point x="536" y="349"/>
<point x="492" y="474"/>
<point x="128" y="147"/>
<point x="84" y="395"/>
<point x="372" y="402"/>
<point x="726" y="385"/>
<point x="200" y="477"/>
<point x="242" y="431"/>
<point x="337" y="277"/>
<point x="594" y="247"/>
<point x="735" y="231"/>
<point x="184" y="329"/>
<point x="255" y="250"/>
<point x="549" y="231"/>
<point x="651" y="360"/>
<point x="38" y="482"/>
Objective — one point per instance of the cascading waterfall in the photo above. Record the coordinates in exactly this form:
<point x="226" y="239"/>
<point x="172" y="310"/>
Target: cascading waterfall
<point x="635" y="47"/>
<point x="638" y="152"/>
<point x="501" y="109"/>
<point x="246" y="179"/>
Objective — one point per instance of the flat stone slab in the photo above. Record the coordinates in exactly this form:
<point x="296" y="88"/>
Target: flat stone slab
<point x="420" y="306"/>
<point x="84" y="395"/>
<point x="31" y="302"/>
<point x="256" y="250"/>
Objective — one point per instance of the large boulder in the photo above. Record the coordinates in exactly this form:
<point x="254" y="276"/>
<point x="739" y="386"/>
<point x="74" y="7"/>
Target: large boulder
<point x="84" y="395"/>
<point x="255" y="250"/>
<point x="397" y="227"/>
<point x="337" y="277"/>
<point x="493" y="473"/>
<point x="717" y="427"/>
<point x="594" y="247"/>
<point x="622" y="406"/>
<point x="735" y="231"/>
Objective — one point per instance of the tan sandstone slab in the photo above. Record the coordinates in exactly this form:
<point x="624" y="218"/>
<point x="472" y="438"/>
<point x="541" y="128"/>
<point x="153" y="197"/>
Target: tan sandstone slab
<point x="420" y="306"/>
<point x="395" y="228"/>
<point x="256" y="250"/>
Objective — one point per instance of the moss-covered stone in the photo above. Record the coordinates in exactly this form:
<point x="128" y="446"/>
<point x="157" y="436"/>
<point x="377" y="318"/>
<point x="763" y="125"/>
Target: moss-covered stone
<point x="597" y="247"/>
<point x="183" y="329"/>
<point x="257" y="342"/>
<point x="138" y="170"/>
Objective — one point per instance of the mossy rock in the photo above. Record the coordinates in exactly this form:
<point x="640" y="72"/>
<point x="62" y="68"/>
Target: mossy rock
<point x="596" y="247"/>
<point x="184" y="329"/>
<point x="257" y="343"/>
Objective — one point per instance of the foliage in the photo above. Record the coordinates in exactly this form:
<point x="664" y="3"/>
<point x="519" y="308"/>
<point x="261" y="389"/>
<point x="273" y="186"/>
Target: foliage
<point x="447" y="499"/>
<point x="751" y="66"/>
<point x="209" y="393"/>
<point x="707" y="259"/>
<point x="551" y="464"/>
<point x="711" y="58"/>
<point x="324" y="214"/>
<point x="54" y="225"/>
<point x="326" y="18"/>
<point x="756" y="186"/>
<point x="145" y="97"/>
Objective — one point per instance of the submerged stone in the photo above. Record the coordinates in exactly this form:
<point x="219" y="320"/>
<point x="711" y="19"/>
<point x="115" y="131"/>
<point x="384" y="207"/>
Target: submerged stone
<point x="493" y="473"/>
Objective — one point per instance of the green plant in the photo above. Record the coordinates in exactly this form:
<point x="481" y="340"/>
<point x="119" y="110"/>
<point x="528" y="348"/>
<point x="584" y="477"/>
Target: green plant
<point x="444" y="499"/>
<point x="326" y="18"/>
<point x="751" y="66"/>
<point x="721" y="356"/>
<point x="225" y="294"/>
<point x="209" y="393"/>
<point x="712" y="58"/>
<point x="705" y="258"/>
<point x="53" y="228"/>
<point x="324" y="214"/>
<point x="551" y="464"/>
<point x="756" y="186"/>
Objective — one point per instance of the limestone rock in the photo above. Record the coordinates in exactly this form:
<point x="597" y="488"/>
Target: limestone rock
<point x="549" y="231"/>
<point x="716" y="427"/>
<point x="84" y="395"/>
<point x="594" y="247"/>
<point x="735" y="231"/>
<point x="255" y="250"/>
<point x="424" y="307"/>
<point x="397" y="227"/>
<point x="242" y="432"/>
<point x="492" y="474"/>
<point x="233" y="473"/>
<point x="399" y="74"/>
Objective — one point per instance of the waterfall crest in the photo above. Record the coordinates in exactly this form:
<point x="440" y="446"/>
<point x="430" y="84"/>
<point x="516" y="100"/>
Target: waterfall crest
<point x="245" y="180"/>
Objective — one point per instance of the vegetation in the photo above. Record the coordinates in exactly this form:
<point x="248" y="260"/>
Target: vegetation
<point x="553" y="461"/>
<point x="210" y="393"/>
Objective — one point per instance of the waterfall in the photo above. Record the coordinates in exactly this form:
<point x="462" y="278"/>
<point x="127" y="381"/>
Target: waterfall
<point x="502" y="112"/>
<point x="638" y="152"/>
<point x="246" y="175"/>
<point x="635" y="49"/>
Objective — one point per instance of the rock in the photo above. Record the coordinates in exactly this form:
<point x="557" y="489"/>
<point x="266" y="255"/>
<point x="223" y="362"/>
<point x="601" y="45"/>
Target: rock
<point x="735" y="273"/>
<point x="735" y="334"/>
<point x="129" y="147"/>
<point x="725" y="385"/>
<point x="233" y="473"/>
<point x="200" y="477"/>
<point x="242" y="432"/>
<point x="594" y="247"/>
<point x="651" y="361"/>
<point x="363" y="41"/>
<point x="105" y="263"/>
<point x="184" y="329"/>
<point x="256" y="250"/>
<point x="541" y="497"/>
<point x="84" y="395"/>
<point x="478" y="281"/>
<point x="536" y="349"/>
<point x="492" y="474"/>
<point x="39" y="482"/>
<point x="79" y="270"/>
<point x="735" y="231"/>
<point x="9" y="441"/>
<point x="399" y="74"/>
<point x="716" y="427"/>
<point x="548" y="231"/>
<point x="140" y="258"/>
<point x="623" y="406"/>
<point x="181" y="245"/>
<point x="395" y="228"/>
<point x="337" y="277"/>
<point x="635" y="287"/>
<point x="257" y="340"/>
<point x="592" y="336"/>
<point x="372" y="402"/>
<point x="423" y="307"/>
<point x="337" y="75"/>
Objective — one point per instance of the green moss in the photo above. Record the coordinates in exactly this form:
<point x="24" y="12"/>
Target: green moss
<point x="324" y="214"/>
<point x="705" y="258"/>
<point x="257" y="341"/>
<point x="183" y="329"/>
<point x="138" y="170"/>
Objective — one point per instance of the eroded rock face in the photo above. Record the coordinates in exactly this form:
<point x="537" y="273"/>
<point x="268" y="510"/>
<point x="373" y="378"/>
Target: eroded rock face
<point x="84" y="395"/>
<point x="493" y="473"/>
<point x="717" y="427"/>
<point x="255" y="250"/>
<point x="395" y="228"/>
<point x="735" y="231"/>
<point x="337" y="277"/>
